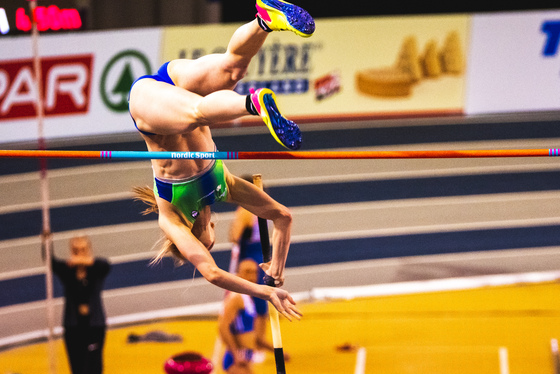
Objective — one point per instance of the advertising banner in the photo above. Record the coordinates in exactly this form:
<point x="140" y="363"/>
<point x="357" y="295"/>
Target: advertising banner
<point x="514" y="63"/>
<point x="363" y="67"/>
<point x="85" y="80"/>
<point x="349" y="68"/>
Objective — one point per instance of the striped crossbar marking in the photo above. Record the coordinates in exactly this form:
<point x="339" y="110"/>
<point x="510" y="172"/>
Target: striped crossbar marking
<point x="307" y="155"/>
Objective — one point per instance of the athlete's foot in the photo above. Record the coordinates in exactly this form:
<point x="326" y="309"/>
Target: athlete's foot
<point x="285" y="132"/>
<point x="281" y="15"/>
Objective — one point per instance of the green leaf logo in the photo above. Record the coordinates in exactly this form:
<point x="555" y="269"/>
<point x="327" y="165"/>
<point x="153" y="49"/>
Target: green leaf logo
<point x="118" y="76"/>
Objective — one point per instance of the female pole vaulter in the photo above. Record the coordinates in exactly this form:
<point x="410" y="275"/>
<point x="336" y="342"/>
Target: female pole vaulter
<point x="175" y="109"/>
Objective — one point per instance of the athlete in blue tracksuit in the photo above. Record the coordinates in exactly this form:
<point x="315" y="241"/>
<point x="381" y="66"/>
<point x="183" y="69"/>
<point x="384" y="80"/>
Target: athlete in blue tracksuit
<point x="236" y="324"/>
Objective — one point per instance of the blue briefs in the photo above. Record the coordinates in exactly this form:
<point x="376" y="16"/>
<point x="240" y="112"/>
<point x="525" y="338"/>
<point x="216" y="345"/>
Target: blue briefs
<point x="193" y="194"/>
<point x="228" y="358"/>
<point x="161" y="76"/>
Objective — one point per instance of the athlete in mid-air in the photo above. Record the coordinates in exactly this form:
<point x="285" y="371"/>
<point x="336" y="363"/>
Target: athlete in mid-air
<point x="174" y="110"/>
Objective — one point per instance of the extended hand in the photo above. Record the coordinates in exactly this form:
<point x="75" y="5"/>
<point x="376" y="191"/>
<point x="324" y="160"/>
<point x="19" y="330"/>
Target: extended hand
<point x="285" y="304"/>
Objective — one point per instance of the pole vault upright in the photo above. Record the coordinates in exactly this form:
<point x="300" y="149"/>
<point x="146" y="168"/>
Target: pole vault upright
<point x="46" y="242"/>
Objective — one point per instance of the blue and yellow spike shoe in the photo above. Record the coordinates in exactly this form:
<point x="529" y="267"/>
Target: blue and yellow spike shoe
<point x="281" y="15"/>
<point x="285" y="132"/>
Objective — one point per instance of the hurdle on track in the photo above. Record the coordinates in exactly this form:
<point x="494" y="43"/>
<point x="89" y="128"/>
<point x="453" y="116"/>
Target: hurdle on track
<point x="305" y="155"/>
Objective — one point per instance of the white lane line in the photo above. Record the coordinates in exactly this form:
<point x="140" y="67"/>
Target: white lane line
<point x="59" y="203"/>
<point x="92" y="231"/>
<point x="504" y="360"/>
<point x="432" y="285"/>
<point x="426" y="202"/>
<point x="74" y="171"/>
<point x="411" y="230"/>
<point x="425" y="173"/>
<point x="406" y="174"/>
<point x="360" y="367"/>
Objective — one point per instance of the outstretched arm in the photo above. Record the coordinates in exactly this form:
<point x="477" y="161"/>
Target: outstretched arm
<point x="262" y="205"/>
<point x="194" y="252"/>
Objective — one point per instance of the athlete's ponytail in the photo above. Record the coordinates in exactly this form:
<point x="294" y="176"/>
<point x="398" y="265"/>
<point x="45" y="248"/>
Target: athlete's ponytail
<point x="146" y="195"/>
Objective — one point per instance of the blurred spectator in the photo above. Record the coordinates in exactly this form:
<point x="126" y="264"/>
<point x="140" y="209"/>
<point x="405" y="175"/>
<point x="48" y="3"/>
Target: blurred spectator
<point x="237" y="326"/>
<point x="84" y="321"/>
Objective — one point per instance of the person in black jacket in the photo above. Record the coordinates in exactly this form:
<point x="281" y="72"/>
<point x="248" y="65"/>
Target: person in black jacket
<point x="83" y="277"/>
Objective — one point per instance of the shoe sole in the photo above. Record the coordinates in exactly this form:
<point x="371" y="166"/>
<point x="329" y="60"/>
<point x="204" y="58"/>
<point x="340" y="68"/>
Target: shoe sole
<point x="293" y="17"/>
<point x="271" y="115"/>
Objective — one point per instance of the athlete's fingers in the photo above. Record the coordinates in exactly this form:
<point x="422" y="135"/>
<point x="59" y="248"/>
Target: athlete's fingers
<point x="291" y="299"/>
<point x="295" y="314"/>
<point x="277" y="299"/>
<point x="285" y="314"/>
<point x="290" y="311"/>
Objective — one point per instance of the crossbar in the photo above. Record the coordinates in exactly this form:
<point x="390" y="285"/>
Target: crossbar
<point x="301" y="155"/>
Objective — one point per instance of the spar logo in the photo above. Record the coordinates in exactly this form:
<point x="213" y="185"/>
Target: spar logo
<point x="65" y="85"/>
<point x="117" y="78"/>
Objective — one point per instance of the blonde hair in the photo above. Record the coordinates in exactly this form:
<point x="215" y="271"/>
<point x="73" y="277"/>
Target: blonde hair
<point x="80" y="237"/>
<point x="168" y="248"/>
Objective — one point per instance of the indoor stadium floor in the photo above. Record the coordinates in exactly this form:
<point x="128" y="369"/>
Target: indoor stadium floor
<point x="439" y="332"/>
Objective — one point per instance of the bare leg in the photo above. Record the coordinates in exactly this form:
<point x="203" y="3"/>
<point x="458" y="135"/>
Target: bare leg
<point x="202" y="93"/>
<point x="246" y="43"/>
<point x="163" y="109"/>
<point x="216" y="72"/>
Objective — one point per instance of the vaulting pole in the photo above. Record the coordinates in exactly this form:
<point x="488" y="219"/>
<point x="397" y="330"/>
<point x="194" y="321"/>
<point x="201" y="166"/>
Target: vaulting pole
<point x="269" y="281"/>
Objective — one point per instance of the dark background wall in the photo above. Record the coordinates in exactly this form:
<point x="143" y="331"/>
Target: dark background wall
<point x="111" y="14"/>
<point x="233" y="11"/>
